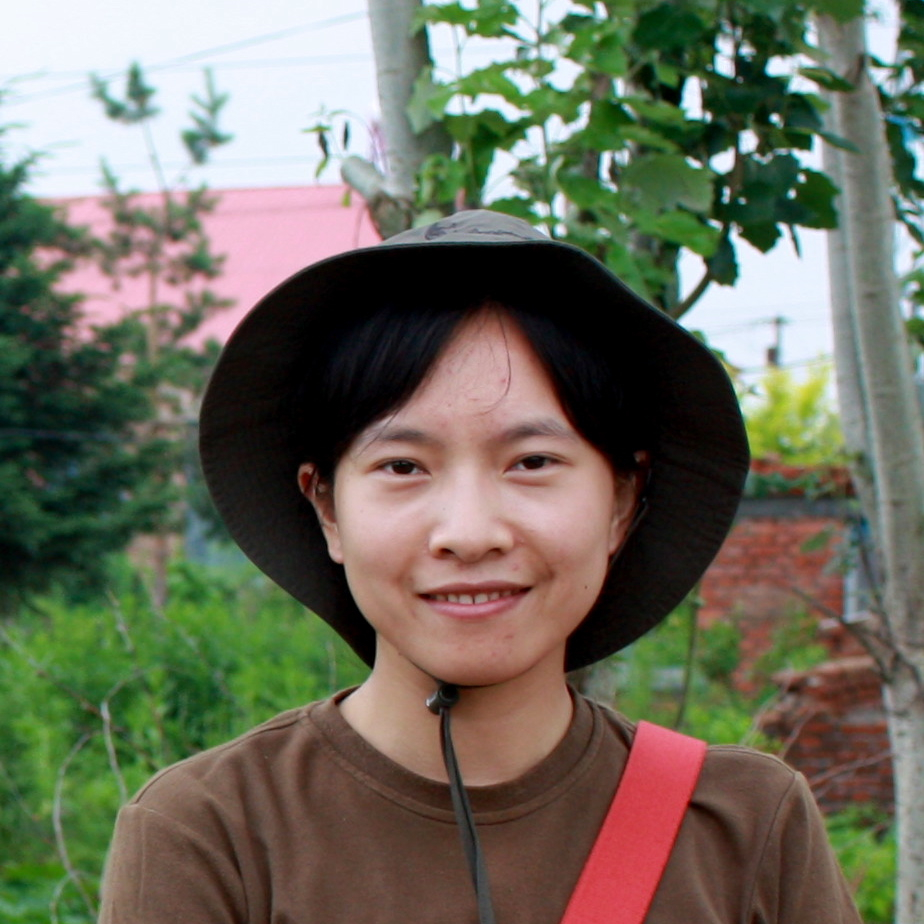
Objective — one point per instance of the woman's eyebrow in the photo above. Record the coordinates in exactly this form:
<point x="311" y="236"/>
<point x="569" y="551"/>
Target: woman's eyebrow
<point x="542" y="427"/>
<point x="397" y="434"/>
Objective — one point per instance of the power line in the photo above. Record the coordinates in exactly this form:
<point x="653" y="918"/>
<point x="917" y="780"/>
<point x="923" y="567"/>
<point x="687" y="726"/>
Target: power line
<point x="226" y="163"/>
<point x="253" y="64"/>
<point x="267" y="37"/>
<point x="824" y="359"/>
<point x="192" y="56"/>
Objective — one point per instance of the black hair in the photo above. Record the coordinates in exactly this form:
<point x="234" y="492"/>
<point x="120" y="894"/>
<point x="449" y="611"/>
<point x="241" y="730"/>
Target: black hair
<point x="361" y="374"/>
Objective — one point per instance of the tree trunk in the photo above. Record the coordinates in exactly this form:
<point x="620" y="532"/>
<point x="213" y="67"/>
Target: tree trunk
<point x="400" y="59"/>
<point x="885" y="427"/>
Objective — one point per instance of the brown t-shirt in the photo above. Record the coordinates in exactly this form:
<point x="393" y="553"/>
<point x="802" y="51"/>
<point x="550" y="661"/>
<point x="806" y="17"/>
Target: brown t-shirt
<point x="300" y="821"/>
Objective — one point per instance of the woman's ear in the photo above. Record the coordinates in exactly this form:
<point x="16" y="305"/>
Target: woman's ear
<point x="321" y="495"/>
<point x="629" y="502"/>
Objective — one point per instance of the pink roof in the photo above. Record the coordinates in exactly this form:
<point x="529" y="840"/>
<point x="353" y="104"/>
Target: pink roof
<point x="265" y="234"/>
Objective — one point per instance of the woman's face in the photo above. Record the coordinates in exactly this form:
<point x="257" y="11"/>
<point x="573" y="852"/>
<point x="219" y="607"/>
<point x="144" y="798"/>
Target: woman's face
<point x="475" y="525"/>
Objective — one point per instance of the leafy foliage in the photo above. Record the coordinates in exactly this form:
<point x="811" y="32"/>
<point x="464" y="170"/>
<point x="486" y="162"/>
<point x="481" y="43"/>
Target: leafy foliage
<point x="75" y="482"/>
<point x="865" y="846"/>
<point x="641" y="128"/>
<point x="635" y="129"/>
<point x="668" y="677"/>
<point x="903" y="100"/>
<point x="93" y="420"/>
<point x="794" y="421"/>
<point x="164" y="243"/>
<point x="98" y="697"/>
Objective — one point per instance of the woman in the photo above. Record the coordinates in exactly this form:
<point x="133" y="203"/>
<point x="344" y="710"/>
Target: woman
<point x="483" y="461"/>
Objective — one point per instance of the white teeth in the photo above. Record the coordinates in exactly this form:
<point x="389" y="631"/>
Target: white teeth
<point x="470" y="599"/>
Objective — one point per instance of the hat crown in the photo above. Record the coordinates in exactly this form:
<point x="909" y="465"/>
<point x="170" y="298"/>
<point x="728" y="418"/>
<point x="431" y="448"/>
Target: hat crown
<point x="476" y="225"/>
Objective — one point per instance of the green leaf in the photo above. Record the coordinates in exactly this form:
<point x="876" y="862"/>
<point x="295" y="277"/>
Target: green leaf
<point x="605" y="124"/>
<point x="771" y="9"/>
<point x="659" y="111"/>
<point x="609" y="56"/>
<point x="668" y="26"/>
<point x="465" y="127"/>
<point x="801" y="111"/>
<point x="623" y="263"/>
<point x="440" y="180"/>
<point x="516" y="206"/>
<point x="763" y="235"/>
<point x="453" y="14"/>
<point x="915" y="327"/>
<point x="684" y="229"/>
<point x="723" y="264"/>
<point x="487" y="18"/>
<point x="649" y="138"/>
<point x="839" y="142"/>
<point x="740" y="97"/>
<point x="427" y="217"/>
<point x="491" y="80"/>
<point x="840" y="10"/>
<point x="547" y="102"/>
<point x="583" y="191"/>
<point x="665" y="181"/>
<point x="668" y="75"/>
<point x="429" y="101"/>
<point x="903" y="142"/>
<point x="816" y="194"/>
<point x="826" y="78"/>
<point x="780" y="172"/>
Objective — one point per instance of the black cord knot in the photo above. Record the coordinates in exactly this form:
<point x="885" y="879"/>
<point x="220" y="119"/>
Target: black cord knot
<point x="445" y="696"/>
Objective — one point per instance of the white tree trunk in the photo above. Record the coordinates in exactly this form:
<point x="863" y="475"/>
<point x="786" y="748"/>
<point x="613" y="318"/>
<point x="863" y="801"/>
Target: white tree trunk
<point x="400" y="59"/>
<point x="854" y="417"/>
<point x="883" y="424"/>
<point x="905" y="706"/>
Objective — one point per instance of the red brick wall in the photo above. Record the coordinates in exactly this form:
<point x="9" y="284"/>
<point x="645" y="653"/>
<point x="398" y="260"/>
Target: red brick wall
<point x="832" y="724"/>
<point x="771" y="570"/>
<point x="764" y="574"/>
<point x="762" y="569"/>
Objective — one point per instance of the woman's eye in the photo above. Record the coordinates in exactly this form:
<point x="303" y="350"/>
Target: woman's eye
<point x="533" y="463"/>
<point x="401" y="467"/>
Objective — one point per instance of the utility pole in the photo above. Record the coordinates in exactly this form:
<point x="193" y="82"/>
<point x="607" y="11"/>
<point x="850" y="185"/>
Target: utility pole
<point x="775" y="352"/>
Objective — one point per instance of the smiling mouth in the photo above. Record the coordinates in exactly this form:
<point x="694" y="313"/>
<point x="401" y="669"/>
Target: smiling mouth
<point x="473" y="599"/>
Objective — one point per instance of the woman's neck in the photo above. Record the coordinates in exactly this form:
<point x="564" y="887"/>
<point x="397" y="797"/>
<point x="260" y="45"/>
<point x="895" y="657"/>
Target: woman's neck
<point x="499" y="731"/>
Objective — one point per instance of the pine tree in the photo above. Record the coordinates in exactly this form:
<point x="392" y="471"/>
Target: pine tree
<point x="75" y="484"/>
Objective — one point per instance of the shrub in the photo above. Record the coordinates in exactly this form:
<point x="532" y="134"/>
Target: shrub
<point x="865" y="845"/>
<point x="97" y="697"/>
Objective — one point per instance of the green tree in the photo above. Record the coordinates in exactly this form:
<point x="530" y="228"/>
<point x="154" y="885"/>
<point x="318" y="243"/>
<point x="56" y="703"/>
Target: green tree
<point x="75" y="482"/>
<point x="583" y="122"/>
<point x="794" y="420"/>
<point x="880" y="400"/>
<point x="162" y="241"/>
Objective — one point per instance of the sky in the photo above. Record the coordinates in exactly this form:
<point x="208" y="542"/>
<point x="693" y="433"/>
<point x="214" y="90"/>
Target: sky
<point x="283" y="63"/>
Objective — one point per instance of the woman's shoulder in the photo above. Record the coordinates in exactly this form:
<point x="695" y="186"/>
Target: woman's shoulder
<point x="753" y="819"/>
<point x="243" y="767"/>
<point x="732" y="774"/>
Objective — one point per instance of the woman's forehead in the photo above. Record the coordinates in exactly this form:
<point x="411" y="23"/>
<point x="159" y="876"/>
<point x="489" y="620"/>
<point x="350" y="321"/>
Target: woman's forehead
<point x="488" y="368"/>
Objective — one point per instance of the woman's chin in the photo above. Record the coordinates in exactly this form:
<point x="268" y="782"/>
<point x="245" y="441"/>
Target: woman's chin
<point x="490" y="672"/>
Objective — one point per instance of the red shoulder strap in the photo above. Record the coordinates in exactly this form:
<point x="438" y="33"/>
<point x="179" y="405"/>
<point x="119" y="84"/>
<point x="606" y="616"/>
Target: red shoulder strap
<point x="625" y="865"/>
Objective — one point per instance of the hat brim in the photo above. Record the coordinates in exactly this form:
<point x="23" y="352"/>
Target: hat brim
<point x="699" y="449"/>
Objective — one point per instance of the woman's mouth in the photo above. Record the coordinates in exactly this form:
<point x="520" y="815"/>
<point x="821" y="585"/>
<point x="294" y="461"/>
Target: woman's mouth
<point x="475" y="598"/>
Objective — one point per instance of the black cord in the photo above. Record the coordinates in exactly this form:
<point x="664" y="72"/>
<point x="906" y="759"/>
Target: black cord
<point x="445" y="697"/>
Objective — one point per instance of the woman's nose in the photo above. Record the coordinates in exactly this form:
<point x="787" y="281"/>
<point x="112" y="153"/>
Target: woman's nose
<point x="468" y="522"/>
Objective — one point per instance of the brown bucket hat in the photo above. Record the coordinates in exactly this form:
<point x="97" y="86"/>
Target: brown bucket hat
<point x="699" y="452"/>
